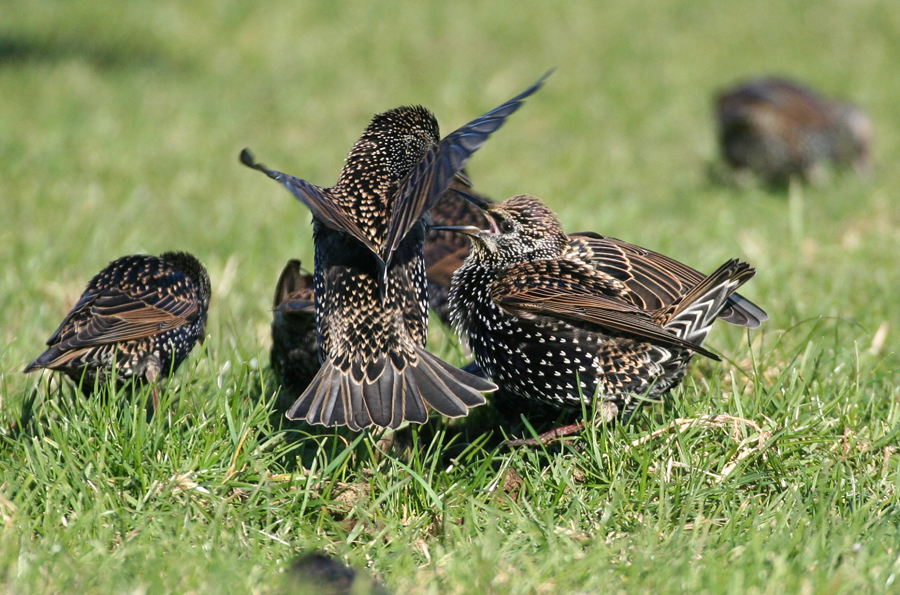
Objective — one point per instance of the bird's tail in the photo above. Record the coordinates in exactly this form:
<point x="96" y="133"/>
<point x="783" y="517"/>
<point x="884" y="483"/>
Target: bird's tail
<point x="398" y="394"/>
<point x="691" y="317"/>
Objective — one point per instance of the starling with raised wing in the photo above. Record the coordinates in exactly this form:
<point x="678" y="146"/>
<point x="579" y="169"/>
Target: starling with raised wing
<point x="295" y="355"/>
<point x="777" y="129"/>
<point x="138" y="319"/>
<point x="370" y="286"/>
<point x="556" y="319"/>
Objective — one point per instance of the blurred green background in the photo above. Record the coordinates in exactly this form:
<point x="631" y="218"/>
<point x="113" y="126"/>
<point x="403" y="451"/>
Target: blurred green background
<point x="121" y="123"/>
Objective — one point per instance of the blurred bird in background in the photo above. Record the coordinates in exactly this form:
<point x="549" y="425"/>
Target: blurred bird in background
<point x="778" y="129"/>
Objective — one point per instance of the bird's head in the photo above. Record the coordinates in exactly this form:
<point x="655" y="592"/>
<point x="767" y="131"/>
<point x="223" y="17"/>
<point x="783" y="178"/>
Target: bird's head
<point x="196" y="272"/>
<point x="522" y="229"/>
<point x="396" y="141"/>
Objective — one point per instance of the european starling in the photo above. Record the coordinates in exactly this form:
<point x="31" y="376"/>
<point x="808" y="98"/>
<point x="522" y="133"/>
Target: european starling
<point x="553" y="318"/>
<point x="777" y="129"/>
<point x="140" y="316"/>
<point x="295" y="355"/>
<point x="370" y="286"/>
<point x="445" y="251"/>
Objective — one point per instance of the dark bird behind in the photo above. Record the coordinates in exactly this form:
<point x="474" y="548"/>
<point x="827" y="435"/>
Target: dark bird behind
<point x="446" y="251"/>
<point x="139" y="316"/>
<point x="370" y="285"/>
<point x="554" y="319"/>
<point x="295" y="353"/>
<point x="777" y="129"/>
<point x="317" y="574"/>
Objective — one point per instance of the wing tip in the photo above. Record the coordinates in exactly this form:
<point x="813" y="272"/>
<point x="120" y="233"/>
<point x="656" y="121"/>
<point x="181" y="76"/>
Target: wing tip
<point x="247" y="159"/>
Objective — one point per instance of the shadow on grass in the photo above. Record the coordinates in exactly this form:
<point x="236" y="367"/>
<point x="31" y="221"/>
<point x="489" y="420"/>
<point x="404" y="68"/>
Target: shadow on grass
<point x="32" y="419"/>
<point x="489" y="425"/>
<point x="103" y="54"/>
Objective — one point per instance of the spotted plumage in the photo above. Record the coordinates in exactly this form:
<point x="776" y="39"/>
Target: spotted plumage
<point x="295" y="354"/>
<point x="777" y="128"/>
<point x="553" y="318"/>
<point x="141" y="315"/>
<point x="370" y="285"/>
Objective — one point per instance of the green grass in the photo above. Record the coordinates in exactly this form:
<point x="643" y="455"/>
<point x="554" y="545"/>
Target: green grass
<point x="119" y="133"/>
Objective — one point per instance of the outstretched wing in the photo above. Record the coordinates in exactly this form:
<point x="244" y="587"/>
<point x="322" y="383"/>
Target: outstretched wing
<point x="566" y="293"/>
<point x="655" y="280"/>
<point x="421" y="189"/>
<point x="322" y="207"/>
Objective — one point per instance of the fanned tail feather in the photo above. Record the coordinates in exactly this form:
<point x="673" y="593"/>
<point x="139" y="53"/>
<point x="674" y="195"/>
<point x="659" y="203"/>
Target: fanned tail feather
<point x="335" y="398"/>
<point x="742" y="312"/>
<point x="694" y="314"/>
<point x="446" y="389"/>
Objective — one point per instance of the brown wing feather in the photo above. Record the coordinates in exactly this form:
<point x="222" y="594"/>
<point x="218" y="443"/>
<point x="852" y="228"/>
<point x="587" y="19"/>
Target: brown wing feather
<point x="117" y="316"/>
<point x="294" y="291"/>
<point x="561" y="289"/>
<point x="655" y="280"/>
<point x="323" y="207"/>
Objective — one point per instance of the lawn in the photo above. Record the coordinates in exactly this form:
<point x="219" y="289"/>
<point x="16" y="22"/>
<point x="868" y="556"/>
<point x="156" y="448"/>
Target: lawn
<point x="120" y="128"/>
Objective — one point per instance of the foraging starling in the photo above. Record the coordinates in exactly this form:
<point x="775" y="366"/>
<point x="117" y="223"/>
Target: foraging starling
<point x="445" y="251"/>
<point x="778" y="129"/>
<point x="295" y="355"/>
<point x="141" y="316"/>
<point x="553" y="318"/>
<point x="370" y="286"/>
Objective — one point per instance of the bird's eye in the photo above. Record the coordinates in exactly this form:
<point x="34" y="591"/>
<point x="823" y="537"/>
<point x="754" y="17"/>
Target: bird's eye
<point x="506" y="226"/>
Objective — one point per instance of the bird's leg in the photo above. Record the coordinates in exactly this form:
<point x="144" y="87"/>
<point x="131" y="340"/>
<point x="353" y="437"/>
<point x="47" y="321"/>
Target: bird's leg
<point x="151" y="373"/>
<point x="606" y="412"/>
<point x="547" y="437"/>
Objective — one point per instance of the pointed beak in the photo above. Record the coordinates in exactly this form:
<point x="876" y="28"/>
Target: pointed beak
<point x="469" y="230"/>
<point x="478" y="202"/>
